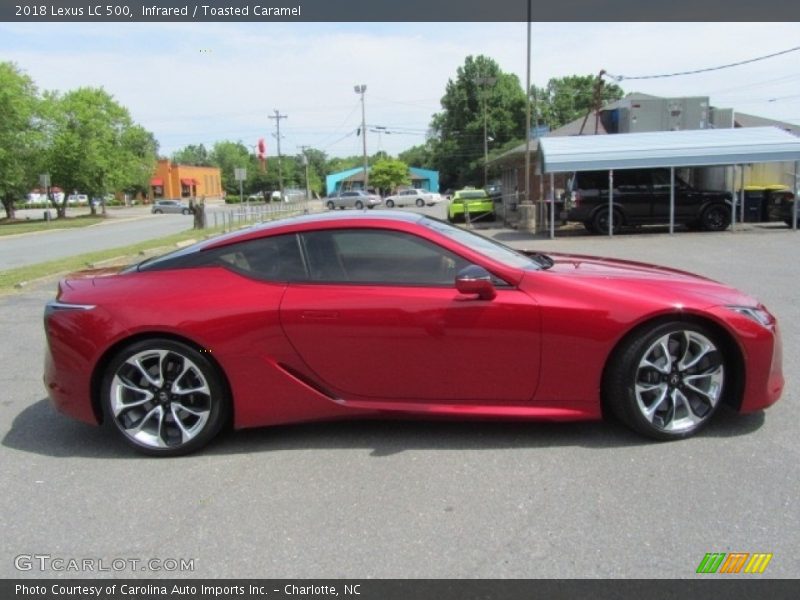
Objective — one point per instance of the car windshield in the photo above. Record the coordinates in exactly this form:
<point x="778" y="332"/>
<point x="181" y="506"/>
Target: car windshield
<point x="494" y="250"/>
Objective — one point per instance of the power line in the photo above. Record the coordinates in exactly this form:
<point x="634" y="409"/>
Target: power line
<point x="728" y="66"/>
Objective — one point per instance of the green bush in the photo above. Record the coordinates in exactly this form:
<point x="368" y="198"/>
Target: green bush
<point x="233" y="199"/>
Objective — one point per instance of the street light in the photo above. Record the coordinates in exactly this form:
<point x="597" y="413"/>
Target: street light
<point x="485" y="82"/>
<point x="360" y="89"/>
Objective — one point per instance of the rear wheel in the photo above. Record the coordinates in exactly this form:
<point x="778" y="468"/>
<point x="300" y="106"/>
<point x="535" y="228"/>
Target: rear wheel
<point x="185" y="211"/>
<point x="330" y="205"/>
<point x="601" y="224"/>
<point x="716" y="218"/>
<point x="668" y="382"/>
<point x="164" y="397"/>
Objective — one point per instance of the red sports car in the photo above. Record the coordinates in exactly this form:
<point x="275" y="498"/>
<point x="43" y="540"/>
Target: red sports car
<point x="342" y="315"/>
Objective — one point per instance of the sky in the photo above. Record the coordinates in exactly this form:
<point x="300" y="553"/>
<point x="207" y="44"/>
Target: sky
<point x="192" y="83"/>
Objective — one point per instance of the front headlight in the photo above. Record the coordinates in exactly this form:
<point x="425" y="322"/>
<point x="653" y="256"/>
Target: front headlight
<point x="758" y="314"/>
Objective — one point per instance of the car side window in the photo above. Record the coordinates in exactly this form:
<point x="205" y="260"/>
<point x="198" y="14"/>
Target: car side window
<point x="378" y="257"/>
<point x="275" y="258"/>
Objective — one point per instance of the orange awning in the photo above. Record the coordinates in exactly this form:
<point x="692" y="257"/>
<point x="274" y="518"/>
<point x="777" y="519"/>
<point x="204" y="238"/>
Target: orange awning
<point x="157" y="181"/>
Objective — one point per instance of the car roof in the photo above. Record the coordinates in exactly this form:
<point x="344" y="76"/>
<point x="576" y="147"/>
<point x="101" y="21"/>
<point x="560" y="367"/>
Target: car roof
<point x="308" y="222"/>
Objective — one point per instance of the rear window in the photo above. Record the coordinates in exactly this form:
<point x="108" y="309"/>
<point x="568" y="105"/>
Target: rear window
<point x="472" y="195"/>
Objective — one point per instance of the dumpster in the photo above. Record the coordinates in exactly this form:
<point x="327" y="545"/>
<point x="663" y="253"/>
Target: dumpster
<point x="754" y="203"/>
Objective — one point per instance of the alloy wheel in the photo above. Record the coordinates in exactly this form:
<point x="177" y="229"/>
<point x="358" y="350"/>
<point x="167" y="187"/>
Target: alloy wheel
<point x="678" y="381"/>
<point x="160" y="399"/>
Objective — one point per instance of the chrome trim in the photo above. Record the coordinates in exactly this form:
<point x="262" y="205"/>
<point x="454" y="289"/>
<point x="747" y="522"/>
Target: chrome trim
<point x="56" y="305"/>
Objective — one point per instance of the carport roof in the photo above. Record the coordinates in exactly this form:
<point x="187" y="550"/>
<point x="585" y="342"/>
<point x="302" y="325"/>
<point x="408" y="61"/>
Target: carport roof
<point x="700" y="147"/>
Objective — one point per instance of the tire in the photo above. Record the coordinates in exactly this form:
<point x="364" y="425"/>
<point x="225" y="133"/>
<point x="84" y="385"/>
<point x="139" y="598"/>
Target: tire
<point x="389" y="203"/>
<point x="420" y="202"/>
<point x="185" y="211"/>
<point x="157" y="414"/>
<point x="158" y="211"/>
<point x="667" y="382"/>
<point x="330" y="205"/>
<point x="716" y="218"/>
<point x="600" y="221"/>
<point x="359" y="205"/>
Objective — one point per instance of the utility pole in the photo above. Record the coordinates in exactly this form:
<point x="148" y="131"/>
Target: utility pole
<point x="305" y="162"/>
<point x="527" y="213"/>
<point x="360" y="89"/>
<point x="278" y="116"/>
<point x="484" y="82"/>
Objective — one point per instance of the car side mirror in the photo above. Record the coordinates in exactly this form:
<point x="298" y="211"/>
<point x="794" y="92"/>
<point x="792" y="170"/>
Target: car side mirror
<point x="473" y="279"/>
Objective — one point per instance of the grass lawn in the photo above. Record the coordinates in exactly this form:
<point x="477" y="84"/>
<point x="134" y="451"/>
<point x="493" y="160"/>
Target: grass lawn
<point x="25" y="226"/>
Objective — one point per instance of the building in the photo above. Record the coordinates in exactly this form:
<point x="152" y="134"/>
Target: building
<point x="173" y="181"/>
<point x="423" y="179"/>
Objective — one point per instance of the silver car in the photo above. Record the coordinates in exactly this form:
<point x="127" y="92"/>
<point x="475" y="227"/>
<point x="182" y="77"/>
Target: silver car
<point x="352" y="199"/>
<point x="413" y="196"/>
<point x="170" y="206"/>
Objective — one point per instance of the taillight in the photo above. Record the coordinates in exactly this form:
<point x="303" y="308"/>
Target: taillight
<point x="576" y="198"/>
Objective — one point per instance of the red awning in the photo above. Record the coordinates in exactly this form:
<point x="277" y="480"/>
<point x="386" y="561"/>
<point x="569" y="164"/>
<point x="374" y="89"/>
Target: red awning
<point x="188" y="181"/>
<point x="157" y="181"/>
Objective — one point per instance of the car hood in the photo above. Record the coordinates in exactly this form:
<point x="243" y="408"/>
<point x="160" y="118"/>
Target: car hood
<point x="672" y="284"/>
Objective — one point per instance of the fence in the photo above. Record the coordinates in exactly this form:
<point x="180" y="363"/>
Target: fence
<point x="244" y="214"/>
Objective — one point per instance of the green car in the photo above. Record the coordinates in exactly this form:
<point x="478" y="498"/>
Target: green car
<point x="476" y="202"/>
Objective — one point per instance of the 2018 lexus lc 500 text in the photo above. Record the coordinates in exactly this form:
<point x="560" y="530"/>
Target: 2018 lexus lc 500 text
<point x="384" y="313"/>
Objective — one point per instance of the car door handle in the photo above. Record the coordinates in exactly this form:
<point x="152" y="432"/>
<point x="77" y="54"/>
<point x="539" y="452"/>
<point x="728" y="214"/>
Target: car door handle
<point x="320" y="315"/>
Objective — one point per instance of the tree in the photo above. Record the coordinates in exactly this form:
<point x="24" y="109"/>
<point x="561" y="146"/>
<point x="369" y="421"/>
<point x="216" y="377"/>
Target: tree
<point x="229" y="156"/>
<point x="193" y="155"/>
<point x="18" y="135"/>
<point x="419" y="156"/>
<point x="93" y="146"/>
<point x="387" y="174"/>
<point x="565" y="99"/>
<point x="457" y="143"/>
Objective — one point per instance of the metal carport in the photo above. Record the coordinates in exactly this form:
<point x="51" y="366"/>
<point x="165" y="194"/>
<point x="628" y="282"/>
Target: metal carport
<point x="692" y="148"/>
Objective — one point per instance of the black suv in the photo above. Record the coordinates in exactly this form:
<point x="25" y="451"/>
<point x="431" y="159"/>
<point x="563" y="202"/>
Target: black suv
<point x="641" y="197"/>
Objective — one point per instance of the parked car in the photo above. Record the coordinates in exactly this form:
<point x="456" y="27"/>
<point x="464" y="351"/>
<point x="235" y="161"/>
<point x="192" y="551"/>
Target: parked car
<point x="259" y="197"/>
<point x="494" y="333"/>
<point x="170" y="206"/>
<point x="642" y="197"/>
<point x="78" y="199"/>
<point x="469" y="200"/>
<point x="413" y="196"/>
<point x="774" y="203"/>
<point x="352" y="199"/>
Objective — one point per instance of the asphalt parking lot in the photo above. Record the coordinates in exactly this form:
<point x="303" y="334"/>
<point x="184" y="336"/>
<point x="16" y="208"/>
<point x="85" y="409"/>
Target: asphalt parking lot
<point x="419" y="499"/>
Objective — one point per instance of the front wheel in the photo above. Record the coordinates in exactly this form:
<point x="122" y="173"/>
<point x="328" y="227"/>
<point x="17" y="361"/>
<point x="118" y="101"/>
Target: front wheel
<point x="330" y="205"/>
<point x="389" y="203"/>
<point x="668" y="382"/>
<point x="164" y="397"/>
<point x="359" y="205"/>
<point x="185" y="211"/>
<point x="420" y="202"/>
<point x="716" y="218"/>
<point x="158" y="211"/>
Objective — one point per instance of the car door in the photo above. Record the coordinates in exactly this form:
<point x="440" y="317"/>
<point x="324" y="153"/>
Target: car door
<point x="632" y="192"/>
<point x="380" y="318"/>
